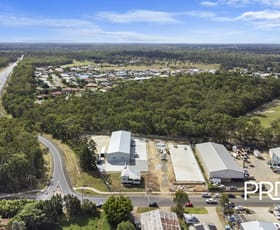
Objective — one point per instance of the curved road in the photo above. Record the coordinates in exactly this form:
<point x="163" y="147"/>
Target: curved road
<point x="60" y="181"/>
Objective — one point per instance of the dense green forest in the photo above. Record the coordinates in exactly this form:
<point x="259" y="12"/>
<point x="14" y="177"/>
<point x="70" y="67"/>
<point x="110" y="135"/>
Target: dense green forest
<point x="21" y="158"/>
<point x="203" y="107"/>
<point x="7" y="57"/>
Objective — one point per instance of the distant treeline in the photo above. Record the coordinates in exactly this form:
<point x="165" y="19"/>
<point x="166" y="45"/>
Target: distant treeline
<point x="253" y="57"/>
<point x="7" y="57"/>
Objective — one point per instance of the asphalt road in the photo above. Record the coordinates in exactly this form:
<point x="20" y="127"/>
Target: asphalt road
<point x="59" y="180"/>
<point x="4" y="74"/>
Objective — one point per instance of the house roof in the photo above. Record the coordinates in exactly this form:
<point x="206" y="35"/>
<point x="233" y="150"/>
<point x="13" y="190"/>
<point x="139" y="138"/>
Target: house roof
<point x="216" y="157"/>
<point x="132" y="174"/>
<point x="119" y="142"/>
<point x="159" y="220"/>
<point x="258" y="225"/>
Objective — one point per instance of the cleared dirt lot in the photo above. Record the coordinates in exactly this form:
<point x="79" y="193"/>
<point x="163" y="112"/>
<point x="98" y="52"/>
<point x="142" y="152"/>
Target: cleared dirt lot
<point x="260" y="170"/>
<point x="161" y="171"/>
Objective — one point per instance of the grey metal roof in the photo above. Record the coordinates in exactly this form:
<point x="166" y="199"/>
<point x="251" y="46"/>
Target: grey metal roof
<point x="258" y="225"/>
<point x="276" y="151"/>
<point x="216" y="157"/>
<point x="120" y="142"/>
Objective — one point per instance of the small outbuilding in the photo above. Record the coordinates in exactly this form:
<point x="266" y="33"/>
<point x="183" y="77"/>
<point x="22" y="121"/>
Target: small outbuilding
<point x="274" y="154"/>
<point x="130" y="175"/>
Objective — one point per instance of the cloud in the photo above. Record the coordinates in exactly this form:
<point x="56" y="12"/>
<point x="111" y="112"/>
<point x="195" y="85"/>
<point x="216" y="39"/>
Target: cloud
<point x="243" y="3"/>
<point x="208" y="4"/>
<point x="264" y="19"/>
<point x="23" y="21"/>
<point x="139" y="16"/>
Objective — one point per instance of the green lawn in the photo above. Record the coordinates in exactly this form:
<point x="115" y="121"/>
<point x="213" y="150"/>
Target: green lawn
<point x="145" y="209"/>
<point x="84" y="223"/>
<point x="196" y="210"/>
<point x="270" y="112"/>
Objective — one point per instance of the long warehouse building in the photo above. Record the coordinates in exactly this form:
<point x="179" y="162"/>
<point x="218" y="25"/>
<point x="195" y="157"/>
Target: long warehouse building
<point x="218" y="163"/>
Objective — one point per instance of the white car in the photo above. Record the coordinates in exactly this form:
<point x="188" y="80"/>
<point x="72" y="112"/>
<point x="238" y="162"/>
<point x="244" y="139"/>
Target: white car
<point x="211" y="201"/>
<point x="205" y="195"/>
<point x="217" y="195"/>
<point x="277" y="214"/>
<point x="239" y="208"/>
<point x="191" y="219"/>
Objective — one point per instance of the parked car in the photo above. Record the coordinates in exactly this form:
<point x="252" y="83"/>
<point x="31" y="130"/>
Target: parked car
<point x="240" y="208"/>
<point x="189" y="204"/>
<point x="99" y="205"/>
<point x="231" y="204"/>
<point x="231" y="195"/>
<point x="153" y="204"/>
<point x="206" y="195"/>
<point x="243" y="195"/>
<point x="221" y="186"/>
<point x="276" y="214"/>
<point x="211" y="201"/>
<point x="231" y="219"/>
<point x="217" y="195"/>
<point x="232" y="187"/>
<point x="191" y="219"/>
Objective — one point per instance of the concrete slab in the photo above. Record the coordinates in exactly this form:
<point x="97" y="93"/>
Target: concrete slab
<point x="210" y="218"/>
<point x="186" y="168"/>
<point x="261" y="214"/>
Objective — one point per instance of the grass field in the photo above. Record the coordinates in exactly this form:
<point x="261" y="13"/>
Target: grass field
<point x="196" y="210"/>
<point x="157" y="65"/>
<point x="85" y="223"/>
<point x="76" y="176"/>
<point x="48" y="165"/>
<point x="145" y="209"/>
<point x="268" y="113"/>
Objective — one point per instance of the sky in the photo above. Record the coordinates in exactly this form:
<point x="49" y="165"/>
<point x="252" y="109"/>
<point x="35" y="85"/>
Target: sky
<point x="140" y="21"/>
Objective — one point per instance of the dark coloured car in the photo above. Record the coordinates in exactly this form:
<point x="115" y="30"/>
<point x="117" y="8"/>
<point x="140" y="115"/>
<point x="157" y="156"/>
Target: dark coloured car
<point x="243" y="195"/>
<point x="231" y="195"/>
<point x="99" y="205"/>
<point x="153" y="204"/>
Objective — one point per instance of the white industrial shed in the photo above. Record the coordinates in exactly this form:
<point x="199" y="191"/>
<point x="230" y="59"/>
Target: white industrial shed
<point x="217" y="162"/>
<point x="119" y="147"/>
<point x="274" y="153"/>
<point x="259" y="225"/>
